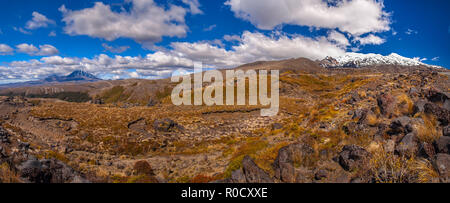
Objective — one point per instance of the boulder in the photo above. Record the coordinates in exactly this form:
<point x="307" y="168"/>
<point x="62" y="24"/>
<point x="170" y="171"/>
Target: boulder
<point x="143" y="168"/>
<point x="437" y="96"/>
<point x="386" y="103"/>
<point x="426" y="150"/>
<point x="277" y="126"/>
<point x="238" y="176"/>
<point x="443" y="115"/>
<point x="321" y="174"/>
<point x="407" y="146"/>
<point x="4" y="136"/>
<point x="48" y="171"/>
<point x="254" y="174"/>
<point x="166" y="125"/>
<point x="446" y="131"/>
<point x="442" y="145"/>
<point x="401" y="125"/>
<point x="419" y="106"/>
<point x="442" y="164"/>
<point x="284" y="163"/>
<point x="352" y="157"/>
<point x="151" y="103"/>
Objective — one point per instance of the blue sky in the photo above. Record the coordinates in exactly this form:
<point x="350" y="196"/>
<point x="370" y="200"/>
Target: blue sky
<point x="150" y="38"/>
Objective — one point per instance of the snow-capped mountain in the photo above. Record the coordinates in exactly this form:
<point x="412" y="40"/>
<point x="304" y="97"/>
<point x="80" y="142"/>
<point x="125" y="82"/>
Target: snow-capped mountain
<point x="357" y="60"/>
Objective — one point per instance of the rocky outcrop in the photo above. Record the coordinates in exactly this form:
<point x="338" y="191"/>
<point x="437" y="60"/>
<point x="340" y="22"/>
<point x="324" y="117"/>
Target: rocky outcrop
<point x="284" y="163"/>
<point x="352" y="157"/>
<point x="249" y="173"/>
<point x="166" y="125"/>
<point x="442" y="145"/>
<point x="254" y="174"/>
<point x="386" y="103"/>
<point x="48" y="171"/>
<point x="408" y="145"/>
<point x="443" y="115"/>
<point x="446" y="131"/>
<point x="442" y="164"/>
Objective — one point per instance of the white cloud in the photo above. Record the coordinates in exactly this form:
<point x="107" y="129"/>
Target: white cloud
<point x="369" y="39"/>
<point x="411" y="31"/>
<point x="339" y="38"/>
<point x="210" y="28"/>
<point x="21" y="30"/>
<point x="27" y="49"/>
<point x="52" y="34"/>
<point x="250" y="47"/>
<point x="5" y="49"/>
<point x="231" y="38"/>
<point x="145" y="22"/>
<point x="435" y="58"/>
<point x="356" y="17"/>
<point x="193" y="6"/>
<point x="38" y="21"/>
<point x="43" y="50"/>
<point x="116" y="50"/>
<point x="420" y="59"/>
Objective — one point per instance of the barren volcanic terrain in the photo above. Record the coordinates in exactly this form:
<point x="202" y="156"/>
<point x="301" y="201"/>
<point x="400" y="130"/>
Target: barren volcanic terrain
<point x="374" y="124"/>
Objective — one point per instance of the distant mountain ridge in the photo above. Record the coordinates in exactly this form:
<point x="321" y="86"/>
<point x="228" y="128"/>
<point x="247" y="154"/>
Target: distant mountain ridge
<point x="77" y="76"/>
<point x="357" y="60"/>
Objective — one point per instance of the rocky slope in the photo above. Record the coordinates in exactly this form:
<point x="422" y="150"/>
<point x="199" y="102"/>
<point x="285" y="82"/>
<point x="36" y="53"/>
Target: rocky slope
<point x="334" y="125"/>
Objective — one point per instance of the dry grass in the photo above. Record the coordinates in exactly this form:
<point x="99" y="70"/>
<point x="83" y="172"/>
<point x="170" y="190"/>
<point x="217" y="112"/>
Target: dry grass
<point x="428" y="131"/>
<point x="388" y="168"/>
<point x="7" y="175"/>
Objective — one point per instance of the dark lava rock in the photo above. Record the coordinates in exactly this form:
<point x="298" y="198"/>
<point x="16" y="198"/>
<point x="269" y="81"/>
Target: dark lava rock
<point x="48" y="171"/>
<point x="4" y="136"/>
<point x="442" y="145"/>
<point x="151" y="103"/>
<point x="254" y="174"/>
<point x="435" y="95"/>
<point x="321" y="174"/>
<point x="442" y="164"/>
<point x="401" y="125"/>
<point x="284" y="163"/>
<point x="238" y="176"/>
<point x="446" y="131"/>
<point x="277" y="126"/>
<point x="407" y="146"/>
<point x="143" y="168"/>
<point x="419" y="106"/>
<point x="426" y="150"/>
<point x="352" y="157"/>
<point x="443" y="115"/>
<point x="166" y="125"/>
<point x="386" y="103"/>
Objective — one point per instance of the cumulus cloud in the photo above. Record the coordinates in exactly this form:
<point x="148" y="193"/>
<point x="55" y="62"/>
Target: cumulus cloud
<point x="356" y="17"/>
<point x="370" y="39"/>
<point x="38" y="21"/>
<point x="338" y="38"/>
<point x="116" y="50"/>
<point x="146" y="22"/>
<point x="250" y="47"/>
<point x="43" y="50"/>
<point x="194" y="6"/>
<point x="5" y="49"/>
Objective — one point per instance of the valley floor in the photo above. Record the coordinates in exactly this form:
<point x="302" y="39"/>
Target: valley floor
<point x="332" y="127"/>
